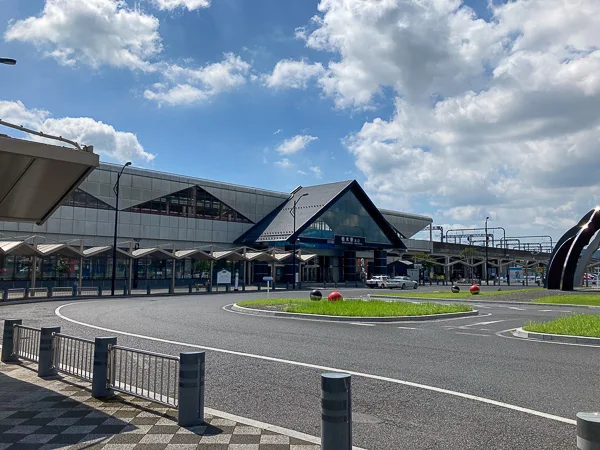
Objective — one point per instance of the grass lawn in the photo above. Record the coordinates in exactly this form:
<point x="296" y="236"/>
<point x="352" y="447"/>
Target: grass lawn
<point x="573" y="299"/>
<point x="359" y="308"/>
<point x="464" y="293"/>
<point x="575" y="325"/>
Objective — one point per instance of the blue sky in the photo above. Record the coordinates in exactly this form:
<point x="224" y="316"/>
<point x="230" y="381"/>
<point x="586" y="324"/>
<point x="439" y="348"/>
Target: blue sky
<point x="224" y="139"/>
<point x="458" y="110"/>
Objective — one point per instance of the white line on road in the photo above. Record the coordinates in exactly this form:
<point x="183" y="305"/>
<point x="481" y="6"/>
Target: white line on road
<point x="472" y="334"/>
<point x="476" y="398"/>
<point x="362" y="324"/>
<point x="516" y="309"/>
<point x="483" y="323"/>
<point x="407" y="328"/>
<point x="554" y="310"/>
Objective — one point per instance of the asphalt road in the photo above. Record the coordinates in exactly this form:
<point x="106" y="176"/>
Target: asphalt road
<point x="467" y="356"/>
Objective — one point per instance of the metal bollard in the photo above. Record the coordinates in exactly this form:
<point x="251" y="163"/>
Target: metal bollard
<point x="243" y="287"/>
<point x="588" y="430"/>
<point x="287" y="286"/>
<point x="227" y="287"/>
<point x="8" y="340"/>
<point x="171" y="292"/>
<point x="148" y="290"/>
<point x="50" y="292"/>
<point x="191" y="389"/>
<point x="125" y="290"/>
<point x="190" y="288"/>
<point x="336" y="412"/>
<point x="259" y="286"/>
<point x="100" y="375"/>
<point x="46" y="361"/>
<point x="99" y="291"/>
<point x="5" y="295"/>
<point x="26" y="293"/>
<point x="74" y="291"/>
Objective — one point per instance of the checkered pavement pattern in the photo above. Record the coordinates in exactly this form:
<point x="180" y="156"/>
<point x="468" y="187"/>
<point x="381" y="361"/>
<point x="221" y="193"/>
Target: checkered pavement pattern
<point x="60" y="413"/>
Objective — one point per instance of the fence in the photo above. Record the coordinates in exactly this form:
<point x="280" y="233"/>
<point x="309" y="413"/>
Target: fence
<point x="74" y="356"/>
<point x="26" y="344"/>
<point x="169" y="380"/>
<point x="148" y="375"/>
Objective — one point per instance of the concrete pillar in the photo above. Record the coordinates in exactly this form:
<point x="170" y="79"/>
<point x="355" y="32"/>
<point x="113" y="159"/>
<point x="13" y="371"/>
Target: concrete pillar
<point x="46" y="360"/>
<point x="380" y="262"/>
<point x="349" y="265"/>
<point x="100" y="375"/>
<point x="8" y="336"/>
<point x="191" y="389"/>
<point x="33" y="265"/>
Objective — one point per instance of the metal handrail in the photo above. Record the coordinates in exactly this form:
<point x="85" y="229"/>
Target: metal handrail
<point x="26" y="343"/>
<point x="142" y="373"/>
<point x="74" y="356"/>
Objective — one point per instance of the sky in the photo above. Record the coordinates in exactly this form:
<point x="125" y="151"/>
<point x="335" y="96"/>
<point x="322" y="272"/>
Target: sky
<point x="459" y="110"/>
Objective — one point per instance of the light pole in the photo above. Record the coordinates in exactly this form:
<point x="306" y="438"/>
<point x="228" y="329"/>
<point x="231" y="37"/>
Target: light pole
<point x="487" y="274"/>
<point x="114" y="252"/>
<point x="293" y="213"/>
<point x="8" y="61"/>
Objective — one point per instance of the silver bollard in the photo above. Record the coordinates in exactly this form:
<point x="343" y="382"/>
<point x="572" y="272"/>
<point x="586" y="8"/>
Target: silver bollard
<point x="588" y="431"/>
<point x="8" y="340"/>
<point x="46" y="360"/>
<point x="100" y="376"/>
<point x="191" y="389"/>
<point x="336" y="412"/>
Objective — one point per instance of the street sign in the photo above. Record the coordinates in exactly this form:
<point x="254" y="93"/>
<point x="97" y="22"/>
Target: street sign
<point x="349" y="240"/>
<point x="267" y="278"/>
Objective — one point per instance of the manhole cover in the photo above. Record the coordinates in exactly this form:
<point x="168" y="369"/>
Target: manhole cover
<point x="365" y="418"/>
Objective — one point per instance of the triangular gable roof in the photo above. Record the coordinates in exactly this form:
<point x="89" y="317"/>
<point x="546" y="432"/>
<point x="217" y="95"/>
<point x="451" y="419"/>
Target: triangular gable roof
<point x="279" y="224"/>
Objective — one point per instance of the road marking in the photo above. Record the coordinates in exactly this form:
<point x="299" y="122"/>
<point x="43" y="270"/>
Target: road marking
<point x="539" y="341"/>
<point x="482" y="306"/>
<point x="464" y="395"/>
<point x="516" y="309"/>
<point x="407" y="328"/>
<point x="554" y="310"/>
<point x="483" y="323"/>
<point x="362" y="324"/>
<point x="472" y="334"/>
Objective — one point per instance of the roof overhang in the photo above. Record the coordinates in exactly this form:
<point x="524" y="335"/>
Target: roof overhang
<point x="35" y="178"/>
<point x="156" y="253"/>
<point x="193" y="253"/>
<point x="18" y="248"/>
<point x="59" y="249"/>
<point x="228" y="255"/>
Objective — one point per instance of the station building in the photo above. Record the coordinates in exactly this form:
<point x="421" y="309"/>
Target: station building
<point x="339" y="234"/>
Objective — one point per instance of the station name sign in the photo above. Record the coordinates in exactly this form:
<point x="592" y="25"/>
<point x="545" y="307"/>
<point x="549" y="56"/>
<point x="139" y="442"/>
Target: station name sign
<point x="349" y="240"/>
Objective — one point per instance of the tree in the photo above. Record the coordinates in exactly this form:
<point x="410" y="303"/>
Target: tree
<point x="469" y="254"/>
<point x="426" y="261"/>
<point x="62" y="268"/>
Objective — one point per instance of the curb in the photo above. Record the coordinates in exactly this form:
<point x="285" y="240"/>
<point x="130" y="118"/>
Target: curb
<point x="487" y="302"/>
<point x="520" y="332"/>
<point x="262" y="312"/>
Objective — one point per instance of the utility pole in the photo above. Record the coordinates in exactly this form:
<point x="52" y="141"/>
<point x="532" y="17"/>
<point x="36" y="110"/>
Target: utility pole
<point x="114" y="250"/>
<point x="487" y="274"/>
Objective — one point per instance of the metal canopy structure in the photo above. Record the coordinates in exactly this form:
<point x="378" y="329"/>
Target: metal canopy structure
<point x="35" y="178"/>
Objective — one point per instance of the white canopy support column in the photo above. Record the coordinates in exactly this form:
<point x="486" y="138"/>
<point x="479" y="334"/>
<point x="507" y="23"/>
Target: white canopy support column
<point x="130" y="279"/>
<point x="33" y="265"/>
<point x="80" y="280"/>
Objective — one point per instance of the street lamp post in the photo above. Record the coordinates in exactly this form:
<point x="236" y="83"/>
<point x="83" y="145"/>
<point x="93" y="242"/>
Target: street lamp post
<point x="487" y="273"/>
<point x="293" y="213"/>
<point x="114" y="252"/>
<point x="8" y="61"/>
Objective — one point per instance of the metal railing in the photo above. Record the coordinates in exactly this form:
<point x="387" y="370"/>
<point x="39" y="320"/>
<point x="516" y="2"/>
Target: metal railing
<point x="38" y="292"/>
<point x="15" y="293"/>
<point x="26" y="344"/>
<point x="74" y="356"/>
<point x="91" y="291"/>
<point x="149" y="375"/>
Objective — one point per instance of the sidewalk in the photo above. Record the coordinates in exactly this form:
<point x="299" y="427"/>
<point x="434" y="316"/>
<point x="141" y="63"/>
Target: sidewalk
<point x="59" y="412"/>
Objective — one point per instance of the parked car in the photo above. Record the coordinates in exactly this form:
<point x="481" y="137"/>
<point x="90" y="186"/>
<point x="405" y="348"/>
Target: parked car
<point x="402" y="283"/>
<point x="378" y="281"/>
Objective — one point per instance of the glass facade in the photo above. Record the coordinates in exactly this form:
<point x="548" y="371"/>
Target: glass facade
<point x="193" y="202"/>
<point x="82" y="199"/>
<point x="346" y="217"/>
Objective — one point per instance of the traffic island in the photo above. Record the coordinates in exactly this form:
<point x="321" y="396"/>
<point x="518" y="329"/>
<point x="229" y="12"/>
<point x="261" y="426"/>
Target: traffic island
<point x="352" y="310"/>
<point x="574" y="329"/>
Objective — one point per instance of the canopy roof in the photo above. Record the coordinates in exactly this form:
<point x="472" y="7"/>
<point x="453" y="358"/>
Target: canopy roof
<point x="35" y="178"/>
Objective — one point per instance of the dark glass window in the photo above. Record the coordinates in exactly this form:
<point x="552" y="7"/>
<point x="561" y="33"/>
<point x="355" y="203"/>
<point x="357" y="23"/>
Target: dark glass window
<point x="81" y="199"/>
<point x="191" y="202"/>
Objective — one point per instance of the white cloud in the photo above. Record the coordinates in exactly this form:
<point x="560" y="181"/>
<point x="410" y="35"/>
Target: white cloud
<point x="302" y="172"/>
<point x="284" y="163"/>
<point x="278" y="131"/>
<point x="316" y="171"/>
<point x="293" y="74"/>
<point x="115" y="145"/>
<point x="494" y="118"/>
<point x="92" y="32"/>
<point x="191" y="5"/>
<point x="194" y="85"/>
<point x="295" y="144"/>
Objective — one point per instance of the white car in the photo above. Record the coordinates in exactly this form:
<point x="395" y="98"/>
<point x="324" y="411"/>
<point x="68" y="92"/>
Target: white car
<point x="402" y="283"/>
<point x="378" y="281"/>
